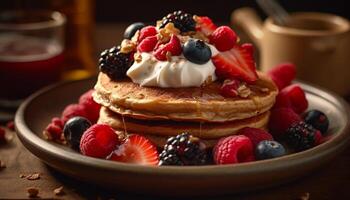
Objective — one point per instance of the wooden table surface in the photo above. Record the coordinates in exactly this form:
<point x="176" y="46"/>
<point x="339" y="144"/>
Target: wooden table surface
<point x="329" y="182"/>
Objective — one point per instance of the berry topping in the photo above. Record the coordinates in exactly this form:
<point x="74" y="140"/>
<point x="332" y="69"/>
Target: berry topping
<point x="54" y="130"/>
<point x="236" y="63"/>
<point x="73" y="110"/>
<point x="172" y="48"/>
<point x="74" y="129"/>
<point x="132" y="28"/>
<point x="229" y="88"/>
<point x="183" y="149"/>
<point x="255" y="135"/>
<point x="281" y="119"/>
<point x="99" y="141"/>
<point x="233" y="149"/>
<point x="224" y="38"/>
<point x="317" y="119"/>
<point x="147" y="32"/>
<point x="147" y="44"/>
<point x="114" y="63"/>
<point x="138" y="150"/>
<point x="282" y="74"/>
<point x="197" y="51"/>
<point x="205" y="25"/>
<point x="92" y="108"/>
<point x="183" y="21"/>
<point x="293" y="97"/>
<point x="301" y="136"/>
<point x="268" y="149"/>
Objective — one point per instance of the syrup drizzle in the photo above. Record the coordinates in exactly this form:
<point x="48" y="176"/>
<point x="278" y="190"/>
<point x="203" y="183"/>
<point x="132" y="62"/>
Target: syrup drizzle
<point x="124" y="125"/>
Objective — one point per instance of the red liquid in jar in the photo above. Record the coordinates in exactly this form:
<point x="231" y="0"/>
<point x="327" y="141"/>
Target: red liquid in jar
<point x="27" y="64"/>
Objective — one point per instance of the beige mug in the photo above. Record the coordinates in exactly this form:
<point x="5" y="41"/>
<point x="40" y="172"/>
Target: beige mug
<point x="317" y="43"/>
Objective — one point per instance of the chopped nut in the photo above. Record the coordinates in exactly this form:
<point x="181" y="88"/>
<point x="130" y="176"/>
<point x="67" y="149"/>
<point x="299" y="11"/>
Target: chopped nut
<point x="22" y="176"/>
<point x="127" y="46"/>
<point x="264" y="89"/>
<point x="32" y="177"/>
<point x="208" y="81"/>
<point x="305" y="196"/>
<point x="135" y="37"/>
<point x="168" y="56"/>
<point x="243" y="91"/>
<point x="166" y="32"/>
<point x="59" y="191"/>
<point x="137" y="57"/>
<point x="32" y="192"/>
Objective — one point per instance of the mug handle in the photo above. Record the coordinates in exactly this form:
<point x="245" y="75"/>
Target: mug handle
<point x="248" y="19"/>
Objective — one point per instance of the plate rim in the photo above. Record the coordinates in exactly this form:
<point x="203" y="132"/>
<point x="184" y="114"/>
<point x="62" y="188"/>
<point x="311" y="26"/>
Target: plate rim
<point x="28" y="137"/>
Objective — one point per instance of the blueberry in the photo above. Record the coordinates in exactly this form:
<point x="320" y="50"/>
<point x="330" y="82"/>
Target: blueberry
<point x="269" y="149"/>
<point x="196" y="51"/>
<point x="317" y="119"/>
<point x="132" y="28"/>
<point x="74" y="129"/>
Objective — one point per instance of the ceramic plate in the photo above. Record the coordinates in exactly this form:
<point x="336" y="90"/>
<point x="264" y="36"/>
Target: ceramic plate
<point x="35" y="113"/>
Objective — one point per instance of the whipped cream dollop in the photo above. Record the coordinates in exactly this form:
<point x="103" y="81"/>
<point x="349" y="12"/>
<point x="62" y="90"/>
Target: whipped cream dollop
<point x="179" y="72"/>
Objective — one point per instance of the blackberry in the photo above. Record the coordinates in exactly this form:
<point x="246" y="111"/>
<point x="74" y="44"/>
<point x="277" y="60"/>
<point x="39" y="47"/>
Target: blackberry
<point x="114" y="63"/>
<point x="181" y="20"/>
<point x="301" y="136"/>
<point x="183" y="149"/>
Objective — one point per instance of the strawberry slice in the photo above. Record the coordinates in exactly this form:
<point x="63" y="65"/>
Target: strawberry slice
<point x="138" y="150"/>
<point x="205" y="25"/>
<point x="237" y="63"/>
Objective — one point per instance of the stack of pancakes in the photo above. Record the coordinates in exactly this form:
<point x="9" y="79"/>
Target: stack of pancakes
<point x="159" y="113"/>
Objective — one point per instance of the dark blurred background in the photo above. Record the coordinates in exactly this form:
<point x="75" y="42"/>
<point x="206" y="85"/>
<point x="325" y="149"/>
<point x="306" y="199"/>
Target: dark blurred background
<point x="148" y="10"/>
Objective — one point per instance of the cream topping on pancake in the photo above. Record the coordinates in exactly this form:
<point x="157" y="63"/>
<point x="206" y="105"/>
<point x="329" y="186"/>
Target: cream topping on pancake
<point x="178" y="72"/>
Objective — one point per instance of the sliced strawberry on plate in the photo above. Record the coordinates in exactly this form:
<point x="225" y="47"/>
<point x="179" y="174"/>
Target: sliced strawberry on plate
<point x="237" y="63"/>
<point x="138" y="150"/>
<point x="205" y="25"/>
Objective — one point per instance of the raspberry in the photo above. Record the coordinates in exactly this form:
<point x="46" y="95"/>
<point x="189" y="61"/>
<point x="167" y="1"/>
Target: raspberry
<point x="233" y="149"/>
<point x="173" y="47"/>
<point x="229" y="88"/>
<point x="147" y="44"/>
<point x="91" y="107"/>
<point x="255" y="135"/>
<point x="224" y="38"/>
<point x="147" y="32"/>
<point x="302" y="136"/>
<point x="74" y="110"/>
<point x="281" y="119"/>
<point x="99" y="141"/>
<point x="54" y="130"/>
<point x="2" y="135"/>
<point x="293" y="97"/>
<point x="10" y="125"/>
<point x="282" y="74"/>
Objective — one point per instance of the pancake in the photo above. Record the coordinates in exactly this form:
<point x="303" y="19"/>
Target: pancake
<point x="167" y="128"/>
<point x="183" y="104"/>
